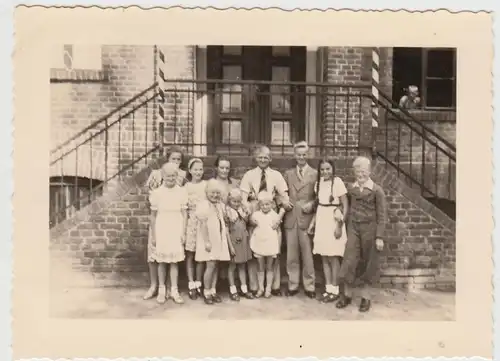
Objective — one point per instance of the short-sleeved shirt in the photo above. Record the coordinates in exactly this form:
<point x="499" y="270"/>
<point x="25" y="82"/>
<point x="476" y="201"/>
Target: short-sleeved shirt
<point x="276" y="184"/>
<point x="164" y="199"/>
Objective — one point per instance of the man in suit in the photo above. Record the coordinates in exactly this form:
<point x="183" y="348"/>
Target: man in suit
<point x="300" y="181"/>
<point x="264" y="178"/>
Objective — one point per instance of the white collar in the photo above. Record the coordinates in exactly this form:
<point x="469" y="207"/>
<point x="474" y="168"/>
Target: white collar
<point x="368" y="184"/>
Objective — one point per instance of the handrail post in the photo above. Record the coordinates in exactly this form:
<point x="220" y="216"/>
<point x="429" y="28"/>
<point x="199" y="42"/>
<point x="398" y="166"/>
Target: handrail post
<point x="375" y="98"/>
<point x="161" y="134"/>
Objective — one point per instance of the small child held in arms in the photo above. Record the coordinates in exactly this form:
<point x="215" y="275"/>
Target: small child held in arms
<point x="265" y="242"/>
<point x="168" y="224"/>
<point x="236" y="219"/>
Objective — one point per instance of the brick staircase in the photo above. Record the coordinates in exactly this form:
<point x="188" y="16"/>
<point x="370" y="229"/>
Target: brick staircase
<point x="104" y="243"/>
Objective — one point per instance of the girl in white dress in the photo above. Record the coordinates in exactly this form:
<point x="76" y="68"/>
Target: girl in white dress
<point x="264" y="241"/>
<point x="328" y="226"/>
<point x="195" y="188"/>
<point x="212" y="243"/>
<point x="168" y="218"/>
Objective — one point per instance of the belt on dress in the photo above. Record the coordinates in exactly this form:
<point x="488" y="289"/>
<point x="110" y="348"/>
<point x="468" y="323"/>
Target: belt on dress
<point x="328" y="205"/>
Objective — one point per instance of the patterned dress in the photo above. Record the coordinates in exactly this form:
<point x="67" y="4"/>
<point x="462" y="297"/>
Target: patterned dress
<point x="238" y="233"/>
<point x="169" y="204"/>
<point x="196" y="194"/>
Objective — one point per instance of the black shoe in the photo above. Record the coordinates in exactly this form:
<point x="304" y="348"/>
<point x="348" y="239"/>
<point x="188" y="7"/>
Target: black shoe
<point x="329" y="297"/>
<point x="249" y="295"/>
<point x="208" y="300"/>
<point x="216" y="298"/>
<point x="276" y="293"/>
<point x="343" y="301"/>
<point x="234" y="296"/>
<point x="193" y="294"/>
<point x="292" y="293"/>
<point x="310" y="294"/>
<point x="364" y="306"/>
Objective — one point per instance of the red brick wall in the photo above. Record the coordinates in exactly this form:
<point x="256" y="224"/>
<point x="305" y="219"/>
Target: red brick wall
<point x="109" y="239"/>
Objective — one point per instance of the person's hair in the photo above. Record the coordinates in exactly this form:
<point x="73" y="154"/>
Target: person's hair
<point x="301" y="145"/>
<point x="265" y="196"/>
<point x="169" y="166"/>
<point x="234" y="193"/>
<point x="176" y="149"/>
<point x="362" y="161"/>
<point x="262" y="149"/>
<point x="213" y="184"/>
<point x="318" y="181"/>
<point x="192" y="162"/>
<point x="223" y="158"/>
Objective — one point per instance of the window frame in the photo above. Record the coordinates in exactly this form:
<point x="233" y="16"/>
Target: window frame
<point x="423" y="87"/>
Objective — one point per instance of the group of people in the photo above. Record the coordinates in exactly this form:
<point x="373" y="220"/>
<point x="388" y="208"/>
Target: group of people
<point x="206" y="222"/>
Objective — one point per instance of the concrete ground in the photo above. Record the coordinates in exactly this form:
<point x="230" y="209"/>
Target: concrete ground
<point x="127" y="303"/>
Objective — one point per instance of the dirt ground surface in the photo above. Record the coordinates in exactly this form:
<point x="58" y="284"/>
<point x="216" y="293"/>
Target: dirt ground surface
<point x="127" y="303"/>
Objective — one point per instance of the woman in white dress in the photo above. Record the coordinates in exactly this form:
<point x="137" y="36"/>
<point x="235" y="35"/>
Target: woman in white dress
<point x="328" y="226"/>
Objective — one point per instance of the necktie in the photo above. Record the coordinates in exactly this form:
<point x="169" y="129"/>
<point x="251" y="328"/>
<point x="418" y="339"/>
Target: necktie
<point x="301" y="174"/>
<point x="263" y="182"/>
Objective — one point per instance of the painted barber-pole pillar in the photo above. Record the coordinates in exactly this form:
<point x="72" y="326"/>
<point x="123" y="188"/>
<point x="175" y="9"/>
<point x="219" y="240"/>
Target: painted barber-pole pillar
<point x="375" y="83"/>
<point x="375" y="94"/>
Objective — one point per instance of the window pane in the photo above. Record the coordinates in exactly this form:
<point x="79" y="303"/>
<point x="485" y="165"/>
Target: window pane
<point x="231" y="97"/>
<point x="440" y="93"/>
<point x="280" y="100"/>
<point x="231" y="132"/>
<point x="280" y="132"/>
<point x="406" y="70"/>
<point x="441" y="63"/>
<point x="232" y="50"/>
<point x="281" y="51"/>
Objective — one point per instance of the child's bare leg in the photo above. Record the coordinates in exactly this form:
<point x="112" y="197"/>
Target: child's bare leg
<point x="335" y="267"/>
<point x="200" y="267"/>
<point x="233" y="291"/>
<point x="215" y="278"/>
<point x="242" y="274"/>
<point x="190" y="270"/>
<point x="261" y="271"/>
<point x="162" y="278"/>
<point x="153" y="281"/>
<point x="327" y="271"/>
<point x="174" y="277"/>
<point x="207" y="280"/>
<point x="269" y="275"/>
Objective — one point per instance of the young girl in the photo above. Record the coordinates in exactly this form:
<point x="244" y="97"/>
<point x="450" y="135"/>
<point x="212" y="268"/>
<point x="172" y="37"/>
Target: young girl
<point x="195" y="188"/>
<point x="212" y="243"/>
<point x="168" y="219"/>
<point x="328" y="226"/>
<point x="236" y="218"/>
<point x="264" y="242"/>
<point x="175" y="155"/>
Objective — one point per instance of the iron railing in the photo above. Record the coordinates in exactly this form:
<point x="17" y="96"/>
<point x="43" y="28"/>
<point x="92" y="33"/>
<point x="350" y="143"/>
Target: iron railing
<point x="110" y="148"/>
<point x="231" y="116"/>
<point x="419" y="155"/>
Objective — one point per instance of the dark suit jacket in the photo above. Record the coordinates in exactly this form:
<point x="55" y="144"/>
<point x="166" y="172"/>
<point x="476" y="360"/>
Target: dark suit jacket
<point x="301" y="191"/>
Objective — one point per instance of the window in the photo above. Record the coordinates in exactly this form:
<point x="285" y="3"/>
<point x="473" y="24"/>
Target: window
<point x="69" y="194"/>
<point x="81" y="56"/>
<point x="433" y="70"/>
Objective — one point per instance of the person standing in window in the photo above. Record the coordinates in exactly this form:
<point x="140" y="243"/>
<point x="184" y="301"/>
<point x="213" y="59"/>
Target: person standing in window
<point x="410" y="100"/>
<point x="254" y="181"/>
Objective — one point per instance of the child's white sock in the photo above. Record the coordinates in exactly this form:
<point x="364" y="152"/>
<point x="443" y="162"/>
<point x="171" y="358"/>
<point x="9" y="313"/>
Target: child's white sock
<point x="335" y="290"/>
<point x="232" y="289"/>
<point x="329" y="288"/>
<point x="197" y="284"/>
<point x="174" y="290"/>
<point x="212" y="291"/>
<point x="192" y="285"/>
<point x="244" y="288"/>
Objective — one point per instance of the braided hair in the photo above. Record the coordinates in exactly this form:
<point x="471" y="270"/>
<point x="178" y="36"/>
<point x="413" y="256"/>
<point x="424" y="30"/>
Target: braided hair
<point x="318" y="181"/>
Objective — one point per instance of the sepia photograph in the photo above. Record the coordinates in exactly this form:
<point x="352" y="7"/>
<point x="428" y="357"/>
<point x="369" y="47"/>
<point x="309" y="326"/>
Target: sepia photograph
<point x="252" y="182"/>
<point x="208" y="183"/>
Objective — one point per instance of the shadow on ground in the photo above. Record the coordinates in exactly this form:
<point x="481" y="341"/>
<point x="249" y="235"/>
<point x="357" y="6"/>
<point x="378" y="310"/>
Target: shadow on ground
<point x="127" y="303"/>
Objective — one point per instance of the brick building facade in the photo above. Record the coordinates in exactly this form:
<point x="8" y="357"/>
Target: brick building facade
<point x="107" y="238"/>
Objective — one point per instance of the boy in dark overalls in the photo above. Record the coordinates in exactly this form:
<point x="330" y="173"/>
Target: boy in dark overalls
<point x="366" y="223"/>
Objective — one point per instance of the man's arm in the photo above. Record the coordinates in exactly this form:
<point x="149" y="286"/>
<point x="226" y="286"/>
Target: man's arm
<point x="381" y="209"/>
